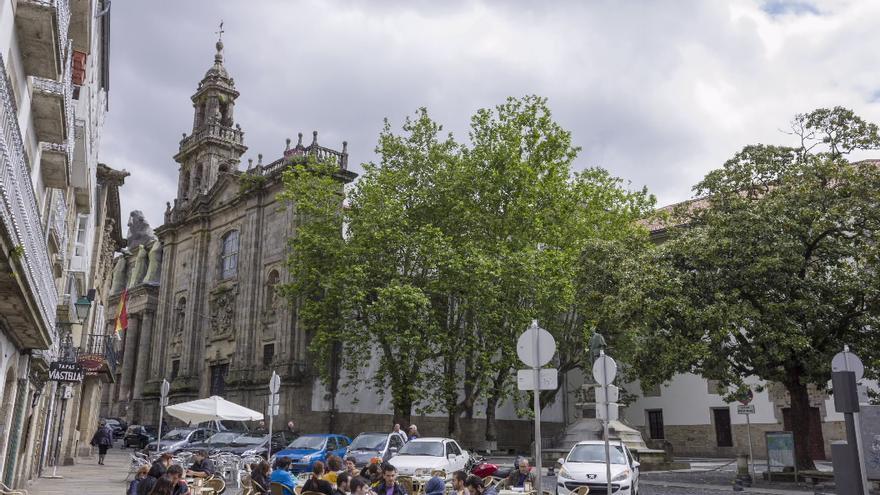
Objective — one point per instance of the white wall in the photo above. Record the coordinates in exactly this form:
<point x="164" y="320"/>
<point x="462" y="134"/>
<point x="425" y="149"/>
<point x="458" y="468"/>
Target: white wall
<point x="365" y="400"/>
<point x="685" y="400"/>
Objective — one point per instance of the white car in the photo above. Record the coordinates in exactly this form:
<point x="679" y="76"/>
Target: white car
<point x="585" y="465"/>
<point x="421" y="457"/>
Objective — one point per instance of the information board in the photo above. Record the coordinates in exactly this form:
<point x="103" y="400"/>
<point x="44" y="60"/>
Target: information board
<point x="780" y="450"/>
<point x="869" y="417"/>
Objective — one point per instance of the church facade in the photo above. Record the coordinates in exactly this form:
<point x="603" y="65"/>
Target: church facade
<point x="203" y="311"/>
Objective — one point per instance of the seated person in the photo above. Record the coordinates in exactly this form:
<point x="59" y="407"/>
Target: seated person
<point x="435" y="486"/>
<point x="281" y="474"/>
<point x="180" y="486"/>
<point x="522" y="474"/>
<point x="317" y="483"/>
<point x="474" y="485"/>
<point x="389" y="484"/>
<point x="202" y="467"/>
<point x="260" y="477"/>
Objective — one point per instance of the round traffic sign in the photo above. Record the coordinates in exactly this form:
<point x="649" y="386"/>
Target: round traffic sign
<point x="847" y="361"/>
<point x="535" y="347"/>
<point x="165" y="388"/>
<point x="604" y="370"/>
<point x="274" y="383"/>
<point x="746" y="397"/>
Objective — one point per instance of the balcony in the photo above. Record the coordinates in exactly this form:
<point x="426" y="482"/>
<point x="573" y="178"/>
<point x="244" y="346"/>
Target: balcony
<point x="99" y="355"/>
<point x="58" y="223"/>
<point x="27" y="286"/>
<point x="41" y="26"/>
<point x="52" y="111"/>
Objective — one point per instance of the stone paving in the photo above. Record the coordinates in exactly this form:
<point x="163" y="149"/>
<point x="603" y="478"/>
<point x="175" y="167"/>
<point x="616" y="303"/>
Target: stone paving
<point x="87" y="477"/>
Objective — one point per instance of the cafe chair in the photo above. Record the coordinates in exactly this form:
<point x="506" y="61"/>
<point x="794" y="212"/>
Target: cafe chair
<point x="217" y="484"/>
<point x="276" y="488"/>
<point x="311" y="493"/>
<point x="407" y="483"/>
<point x="582" y="490"/>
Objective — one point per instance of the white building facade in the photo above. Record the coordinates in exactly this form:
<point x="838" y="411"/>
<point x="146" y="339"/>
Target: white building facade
<point x="53" y="97"/>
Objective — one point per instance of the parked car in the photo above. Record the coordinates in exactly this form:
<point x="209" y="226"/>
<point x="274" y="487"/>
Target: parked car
<point x="308" y="449"/>
<point x="179" y="438"/>
<point x="585" y="466"/>
<point x="215" y="442"/>
<point x="421" y="457"/>
<point x="258" y="443"/>
<point x="116" y="426"/>
<point x="366" y="446"/>
<point x="139" y="436"/>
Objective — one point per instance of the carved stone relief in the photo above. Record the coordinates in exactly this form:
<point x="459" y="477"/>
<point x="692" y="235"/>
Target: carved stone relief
<point x="223" y="301"/>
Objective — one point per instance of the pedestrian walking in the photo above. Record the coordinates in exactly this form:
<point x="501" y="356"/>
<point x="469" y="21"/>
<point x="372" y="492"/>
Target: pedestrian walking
<point x="103" y="439"/>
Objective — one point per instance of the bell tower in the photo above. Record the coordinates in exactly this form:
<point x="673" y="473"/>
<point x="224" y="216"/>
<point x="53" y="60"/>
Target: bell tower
<point x="216" y="143"/>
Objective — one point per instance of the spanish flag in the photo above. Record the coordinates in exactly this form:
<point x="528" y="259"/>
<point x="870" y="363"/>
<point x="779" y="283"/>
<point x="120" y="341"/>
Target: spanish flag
<point x="122" y="314"/>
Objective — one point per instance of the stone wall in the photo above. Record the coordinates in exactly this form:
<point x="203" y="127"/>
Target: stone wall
<point x="700" y="440"/>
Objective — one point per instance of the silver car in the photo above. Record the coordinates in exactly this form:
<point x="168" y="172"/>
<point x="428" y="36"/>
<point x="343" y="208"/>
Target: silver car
<point x="179" y="439"/>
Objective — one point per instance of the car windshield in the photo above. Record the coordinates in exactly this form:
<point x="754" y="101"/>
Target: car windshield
<point x="369" y="441"/>
<point x="423" y="448"/>
<point x="596" y="453"/>
<point x="250" y="439"/>
<point x="313" y="443"/>
<point x="175" y="435"/>
<point x="224" y="437"/>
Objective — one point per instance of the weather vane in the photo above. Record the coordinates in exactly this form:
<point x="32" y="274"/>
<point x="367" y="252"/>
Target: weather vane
<point x="220" y="31"/>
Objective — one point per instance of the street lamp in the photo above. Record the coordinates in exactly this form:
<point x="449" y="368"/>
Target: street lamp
<point x="83" y="305"/>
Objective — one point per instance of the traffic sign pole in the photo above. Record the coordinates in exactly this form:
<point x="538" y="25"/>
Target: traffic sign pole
<point x="163" y="401"/>
<point x="607" y="420"/>
<point x="274" y="387"/>
<point x="537" y="393"/>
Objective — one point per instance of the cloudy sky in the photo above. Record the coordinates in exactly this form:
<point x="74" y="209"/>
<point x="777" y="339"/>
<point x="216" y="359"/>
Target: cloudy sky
<point x="658" y="92"/>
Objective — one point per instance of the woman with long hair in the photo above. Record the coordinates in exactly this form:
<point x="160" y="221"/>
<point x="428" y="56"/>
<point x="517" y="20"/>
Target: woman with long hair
<point x="164" y="486"/>
<point x="260" y="477"/>
<point x="317" y="483"/>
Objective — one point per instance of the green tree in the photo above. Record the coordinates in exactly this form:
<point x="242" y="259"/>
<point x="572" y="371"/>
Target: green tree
<point x="772" y="270"/>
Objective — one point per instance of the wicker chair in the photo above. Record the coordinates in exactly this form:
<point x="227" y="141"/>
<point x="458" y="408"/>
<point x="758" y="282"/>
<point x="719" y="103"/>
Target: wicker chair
<point x="277" y="488"/>
<point x="407" y="483"/>
<point x="217" y="484"/>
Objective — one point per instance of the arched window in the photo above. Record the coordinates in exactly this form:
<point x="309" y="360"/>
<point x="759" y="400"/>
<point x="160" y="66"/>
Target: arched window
<point x="229" y="255"/>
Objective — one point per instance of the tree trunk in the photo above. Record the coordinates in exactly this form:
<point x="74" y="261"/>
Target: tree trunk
<point x="402" y="413"/>
<point x="491" y="426"/>
<point x="800" y="421"/>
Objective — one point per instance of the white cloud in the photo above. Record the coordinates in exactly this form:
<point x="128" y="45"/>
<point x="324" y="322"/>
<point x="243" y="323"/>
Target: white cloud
<point x="657" y="92"/>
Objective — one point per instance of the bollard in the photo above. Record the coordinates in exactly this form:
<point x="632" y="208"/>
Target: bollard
<point x="742" y="470"/>
<point x="737" y="485"/>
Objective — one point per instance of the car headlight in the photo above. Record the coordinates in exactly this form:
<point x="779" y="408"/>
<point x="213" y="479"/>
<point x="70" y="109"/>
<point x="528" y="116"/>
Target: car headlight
<point x="563" y="473"/>
<point x="621" y="476"/>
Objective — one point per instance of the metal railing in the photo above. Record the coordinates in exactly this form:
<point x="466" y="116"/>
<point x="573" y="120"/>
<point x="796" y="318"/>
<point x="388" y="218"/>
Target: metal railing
<point x="18" y="207"/>
<point x="102" y="345"/>
<point x="62" y="19"/>
<point x="58" y="220"/>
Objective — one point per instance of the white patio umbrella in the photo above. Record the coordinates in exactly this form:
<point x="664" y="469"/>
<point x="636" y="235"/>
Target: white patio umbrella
<point x="213" y="408"/>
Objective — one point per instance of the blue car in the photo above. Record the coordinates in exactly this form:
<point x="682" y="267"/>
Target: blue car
<point x="308" y="449"/>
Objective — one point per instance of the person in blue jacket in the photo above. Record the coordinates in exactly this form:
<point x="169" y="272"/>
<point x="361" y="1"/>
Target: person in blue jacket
<point x="281" y="474"/>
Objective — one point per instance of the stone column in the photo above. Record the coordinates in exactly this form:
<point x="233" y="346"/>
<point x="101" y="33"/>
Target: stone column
<point x="129" y="358"/>
<point x="143" y="363"/>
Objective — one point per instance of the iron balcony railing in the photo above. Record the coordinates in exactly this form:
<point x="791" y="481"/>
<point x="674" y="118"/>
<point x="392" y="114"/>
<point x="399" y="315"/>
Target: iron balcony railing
<point x="62" y="19"/>
<point x="18" y="208"/>
<point x="58" y="220"/>
<point x="102" y="345"/>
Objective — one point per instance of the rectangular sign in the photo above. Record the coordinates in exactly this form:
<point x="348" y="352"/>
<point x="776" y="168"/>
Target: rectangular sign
<point x="612" y="392"/>
<point x="780" y="449"/>
<point x="869" y="424"/>
<point x="65" y="372"/>
<point x="612" y="414"/>
<point x="747" y="409"/>
<point x="525" y="379"/>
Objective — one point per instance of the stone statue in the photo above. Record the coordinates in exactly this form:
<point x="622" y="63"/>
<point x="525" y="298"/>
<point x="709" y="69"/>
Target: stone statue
<point x="597" y="343"/>
<point x="154" y="267"/>
<point x="118" y="282"/>
<point x="139" y="231"/>
<point x="136" y="276"/>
